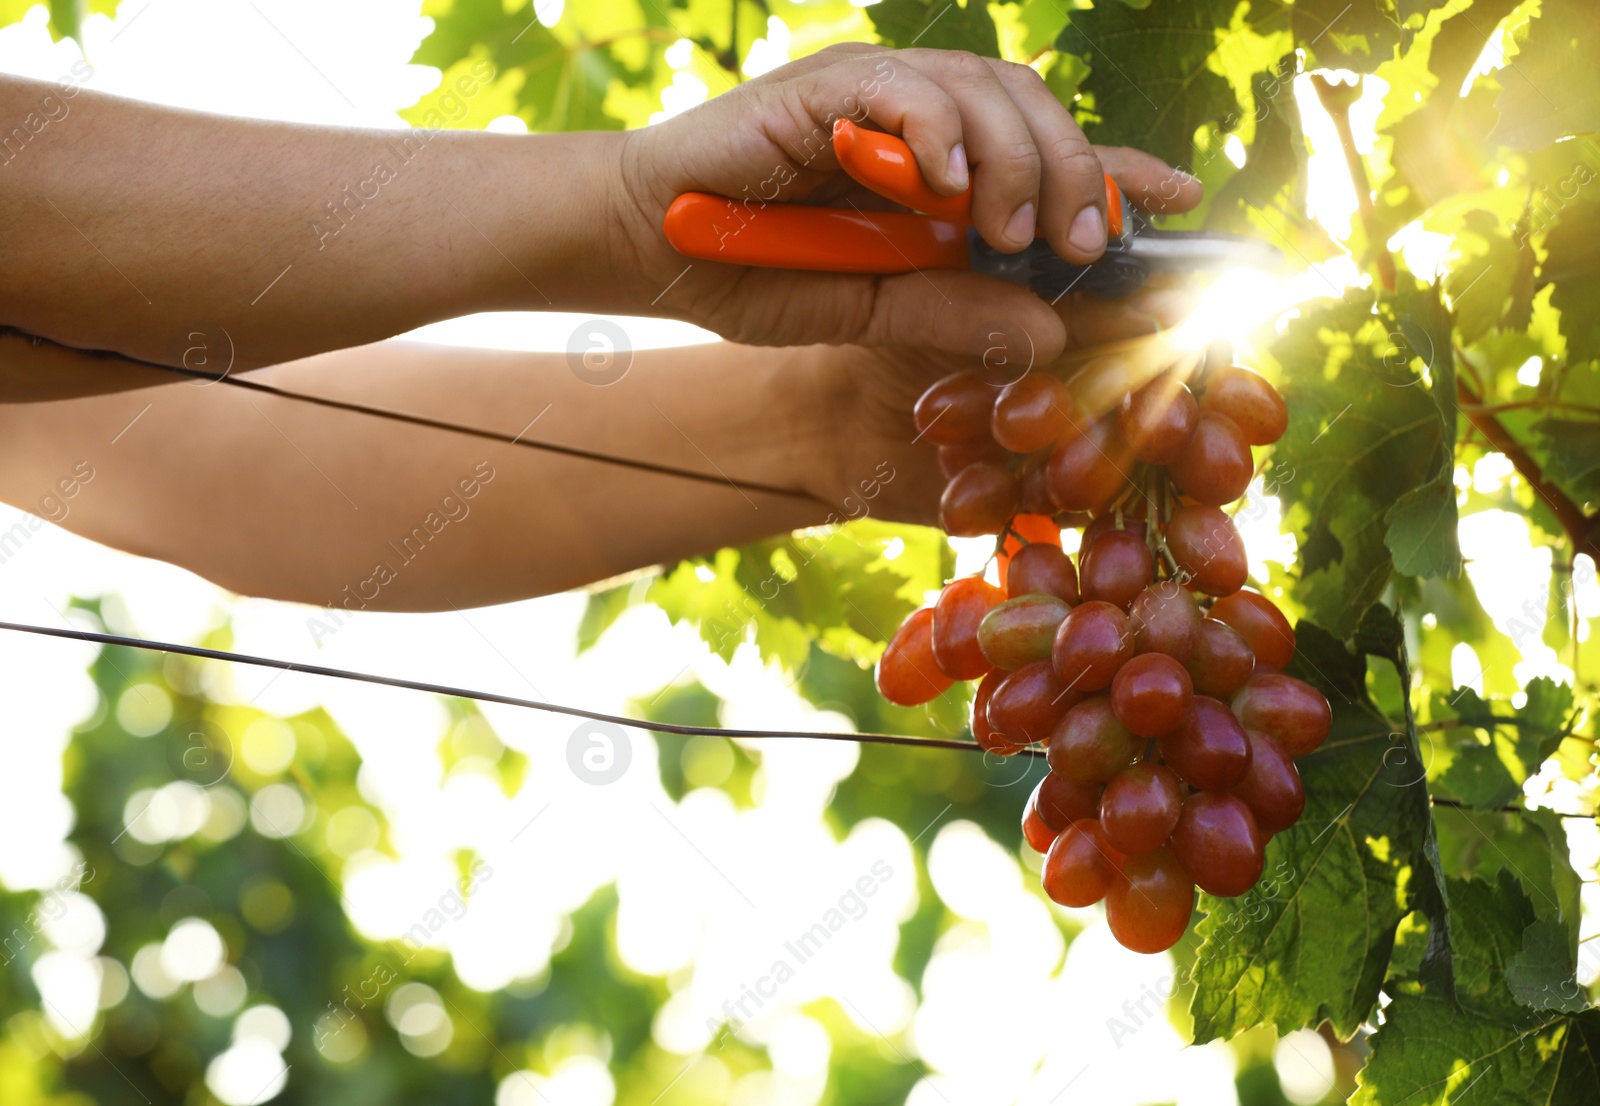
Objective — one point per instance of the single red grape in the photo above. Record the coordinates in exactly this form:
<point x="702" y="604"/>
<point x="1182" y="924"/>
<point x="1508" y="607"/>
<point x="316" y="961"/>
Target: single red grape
<point x="1165" y="618"/>
<point x="1041" y="569"/>
<point x="1151" y="693"/>
<point x="1271" y="788"/>
<point x="907" y="672"/>
<point x="1090" y="745"/>
<point x="1219" y="843"/>
<point x="1209" y="749"/>
<point x="1038" y="835"/>
<point x="1140" y="807"/>
<point x="982" y="732"/>
<point x="1033" y="497"/>
<point x="1215" y="466"/>
<point x="954" y="409"/>
<point x="1093" y="641"/>
<point x="978" y="501"/>
<point x="1032" y="412"/>
<point x="956" y="616"/>
<point x="1080" y="866"/>
<point x="1029" y="703"/>
<point x="1103" y="524"/>
<point x="1207" y="548"/>
<point x="1158" y="419"/>
<point x="1086" y="471"/>
<point x="1291" y="710"/>
<point x="955" y="456"/>
<point x="1115" y="569"/>
<point x="1061" y="801"/>
<point x="1149" y="905"/>
<point x="1222" y="660"/>
<point x="1250" y="401"/>
<point x="1023" y="530"/>
<point x="1260" y="622"/>
<point x="1021" y="630"/>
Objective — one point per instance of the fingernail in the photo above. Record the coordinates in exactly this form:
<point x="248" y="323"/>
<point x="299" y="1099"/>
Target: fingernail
<point x="956" y="170"/>
<point x="1020" y="228"/>
<point x="1088" y="232"/>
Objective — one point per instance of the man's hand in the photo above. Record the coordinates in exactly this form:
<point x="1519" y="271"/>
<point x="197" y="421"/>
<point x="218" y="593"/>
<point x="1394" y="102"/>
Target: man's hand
<point x="860" y="401"/>
<point x="974" y="120"/>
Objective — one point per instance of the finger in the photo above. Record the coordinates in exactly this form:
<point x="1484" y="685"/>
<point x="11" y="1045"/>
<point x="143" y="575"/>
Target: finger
<point x="821" y="59"/>
<point x="960" y="312"/>
<point x="895" y="95"/>
<point x="1092" y="321"/>
<point x="1004" y="158"/>
<point x="1072" y="189"/>
<point x="1148" y="182"/>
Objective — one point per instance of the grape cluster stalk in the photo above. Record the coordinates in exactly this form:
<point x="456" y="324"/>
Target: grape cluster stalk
<point x="1151" y="674"/>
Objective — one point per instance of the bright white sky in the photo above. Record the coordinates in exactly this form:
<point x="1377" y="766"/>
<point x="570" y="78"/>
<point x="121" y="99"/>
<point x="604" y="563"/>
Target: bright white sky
<point x="708" y="895"/>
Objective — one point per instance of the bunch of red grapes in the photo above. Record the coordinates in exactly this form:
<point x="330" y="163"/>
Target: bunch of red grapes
<point x="1154" y="679"/>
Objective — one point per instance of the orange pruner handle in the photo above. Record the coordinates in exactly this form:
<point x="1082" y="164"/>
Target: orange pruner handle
<point x="885" y="164"/>
<point x="841" y="240"/>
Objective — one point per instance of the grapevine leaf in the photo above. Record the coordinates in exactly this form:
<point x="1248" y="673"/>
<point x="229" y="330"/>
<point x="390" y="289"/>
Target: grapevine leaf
<point x="715" y="605"/>
<point x="1573" y="266"/>
<point x="1543" y="974"/>
<point x="1571" y="453"/>
<point x="601" y="609"/>
<point x="1364" y="432"/>
<point x="563" y="85"/>
<point x="1422" y="530"/>
<point x="936" y="25"/>
<point x="1275" y="156"/>
<point x="1347" y="34"/>
<point x="1320" y="949"/>
<point x="1432" y="1051"/>
<point x="1150" y="73"/>
<point x="1553" y="88"/>
<point x="1489" y="771"/>
<point x="1491" y="916"/>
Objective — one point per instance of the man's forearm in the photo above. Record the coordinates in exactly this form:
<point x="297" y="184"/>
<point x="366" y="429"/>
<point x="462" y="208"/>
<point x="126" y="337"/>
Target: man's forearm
<point x="279" y="498"/>
<point x="146" y="230"/>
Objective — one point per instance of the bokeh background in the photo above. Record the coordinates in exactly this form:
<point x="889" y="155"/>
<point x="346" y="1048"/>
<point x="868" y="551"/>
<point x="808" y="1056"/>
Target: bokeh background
<point x="225" y="884"/>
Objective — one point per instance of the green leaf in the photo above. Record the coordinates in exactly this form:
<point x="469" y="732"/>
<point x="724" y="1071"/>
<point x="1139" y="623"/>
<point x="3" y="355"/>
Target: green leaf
<point x="1430" y="1050"/>
<point x="1275" y="158"/>
<point x="1364" y="432"/>
<point x="1544" y="973"/>
<point x="1552" y="88"/>
<point x="1572" y="264"/>
<point x="1489" y="771"/>
<point x="601" y="609"/>
<point x="563" y="84"/>
<point x="1431" y="1053"/>
<point x="1571" y="453"/>
<point x="936" y="25"/>
<point x="1320" y="949"/>
<point x="1347" y="34"/>
<point x="1150" y="71"/>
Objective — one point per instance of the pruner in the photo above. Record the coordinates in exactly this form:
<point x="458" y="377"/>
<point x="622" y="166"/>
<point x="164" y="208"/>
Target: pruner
<point x="849" y="240"/>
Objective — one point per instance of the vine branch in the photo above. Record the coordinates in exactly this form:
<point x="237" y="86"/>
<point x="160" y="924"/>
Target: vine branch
<point x="1579" y="528"/>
